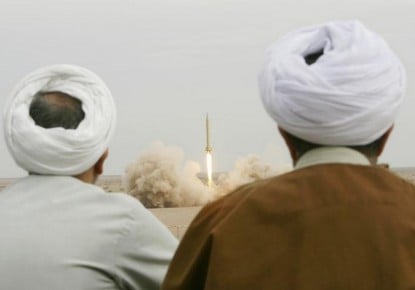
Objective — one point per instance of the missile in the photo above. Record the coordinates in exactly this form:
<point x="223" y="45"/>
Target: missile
<point x="208" y="148"/>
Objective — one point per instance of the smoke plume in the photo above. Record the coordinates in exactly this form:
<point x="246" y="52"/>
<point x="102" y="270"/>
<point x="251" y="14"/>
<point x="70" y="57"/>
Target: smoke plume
<point x="158" y="179"/>
<point x="247" y="169"/>
<point x="161" y="178"/>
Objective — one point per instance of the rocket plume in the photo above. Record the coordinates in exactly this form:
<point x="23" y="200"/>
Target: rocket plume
<point x="209" y="168"/>
<point x="161" y="177"/>
<point x="208" y="154"/>
<point x="158" y="178"/>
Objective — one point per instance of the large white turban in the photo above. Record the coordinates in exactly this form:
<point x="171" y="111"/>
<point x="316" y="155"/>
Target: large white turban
<point x="59" y="151"/>
<point x="349" y="96"/>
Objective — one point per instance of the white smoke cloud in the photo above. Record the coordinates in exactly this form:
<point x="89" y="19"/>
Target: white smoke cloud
<point x="158" y="178"/>
<point x="247" y="169"/>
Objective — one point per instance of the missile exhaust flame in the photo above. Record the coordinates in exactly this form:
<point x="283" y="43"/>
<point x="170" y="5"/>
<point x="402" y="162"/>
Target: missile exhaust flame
<point x="208" y="154"/>
<point x="209" y="168"/>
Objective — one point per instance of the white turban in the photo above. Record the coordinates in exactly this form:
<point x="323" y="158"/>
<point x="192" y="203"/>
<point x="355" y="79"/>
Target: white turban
<point x="349" y="96"/>
<point x="59" y="151"/>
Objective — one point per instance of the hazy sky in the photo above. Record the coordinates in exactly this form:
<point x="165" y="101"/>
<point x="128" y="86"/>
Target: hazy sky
<point x="170" y="62"/>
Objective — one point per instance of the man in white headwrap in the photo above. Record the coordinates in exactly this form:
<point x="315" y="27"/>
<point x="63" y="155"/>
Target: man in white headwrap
<point x="337" y="221"/>
<point x="58" y="230"/>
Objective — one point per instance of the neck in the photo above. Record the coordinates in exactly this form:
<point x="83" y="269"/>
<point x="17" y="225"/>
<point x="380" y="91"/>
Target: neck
<point x="372" y="159"/>
<point x="88" y="176"/>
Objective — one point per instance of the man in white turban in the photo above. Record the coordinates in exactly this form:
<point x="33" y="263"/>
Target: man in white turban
<point x="59" y="230"/>
<point x="337" y="221"/>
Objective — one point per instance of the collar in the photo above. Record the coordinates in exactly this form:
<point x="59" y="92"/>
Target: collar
<point x="323" y="155"/>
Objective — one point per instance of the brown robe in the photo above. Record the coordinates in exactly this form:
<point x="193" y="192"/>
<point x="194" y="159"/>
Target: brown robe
<point x="332" y="226"/>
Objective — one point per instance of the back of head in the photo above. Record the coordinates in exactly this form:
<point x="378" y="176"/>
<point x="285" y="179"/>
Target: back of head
<point x="59" y="120"/>
<point x="333" y="84"/>
<point x="56" y="109"/>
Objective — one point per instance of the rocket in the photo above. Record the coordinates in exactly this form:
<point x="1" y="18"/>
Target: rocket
<point x="208" y="147"/>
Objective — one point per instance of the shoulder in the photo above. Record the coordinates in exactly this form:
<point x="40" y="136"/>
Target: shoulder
<point x="116" y="210"/>
<point x="140" y="223"/>
<point x="134" y="208"/>
<point x="297" y="189"/>
<point x="216" y="212"/>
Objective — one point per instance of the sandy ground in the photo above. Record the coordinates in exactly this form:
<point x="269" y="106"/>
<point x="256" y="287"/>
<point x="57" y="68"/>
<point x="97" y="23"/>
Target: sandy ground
<point x="176" y="219"/>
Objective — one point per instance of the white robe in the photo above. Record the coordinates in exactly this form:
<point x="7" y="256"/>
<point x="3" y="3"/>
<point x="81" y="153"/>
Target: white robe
<point x="60" y="233"/>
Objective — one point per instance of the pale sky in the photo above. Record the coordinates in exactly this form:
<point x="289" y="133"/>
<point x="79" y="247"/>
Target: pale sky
<point x="170" y="62"/>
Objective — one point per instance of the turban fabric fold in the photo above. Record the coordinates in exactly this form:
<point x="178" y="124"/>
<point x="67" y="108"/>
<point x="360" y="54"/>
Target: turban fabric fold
<point x="59" y="151"/>
<point x="349" y="96"/>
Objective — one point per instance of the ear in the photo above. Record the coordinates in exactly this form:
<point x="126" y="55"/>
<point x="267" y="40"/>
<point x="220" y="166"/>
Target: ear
<point x="383" y="140"/>
<point x="99" y="165"/>
<point x="288" y="141"/>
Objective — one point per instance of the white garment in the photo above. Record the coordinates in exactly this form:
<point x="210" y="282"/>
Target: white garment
<point x="324" y="155"/>
<point x="59" y="151"/>
<point x="349" y="96"/>
<point x="58" y="233"/>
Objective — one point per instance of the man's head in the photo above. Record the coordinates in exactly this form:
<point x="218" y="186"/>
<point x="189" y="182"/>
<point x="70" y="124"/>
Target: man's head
<point x="59" y="121"/>
<point x="336" y="84"/>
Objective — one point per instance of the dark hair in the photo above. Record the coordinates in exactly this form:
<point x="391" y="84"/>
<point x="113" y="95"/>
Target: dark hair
<point x="301" y="146"/>
<point x="313" y="57"/>
<point x="56" y="109"/>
